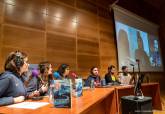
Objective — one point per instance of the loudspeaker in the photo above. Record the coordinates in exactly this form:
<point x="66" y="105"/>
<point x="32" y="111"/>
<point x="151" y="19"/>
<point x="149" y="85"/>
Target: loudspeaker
<point x="130" y="105"/>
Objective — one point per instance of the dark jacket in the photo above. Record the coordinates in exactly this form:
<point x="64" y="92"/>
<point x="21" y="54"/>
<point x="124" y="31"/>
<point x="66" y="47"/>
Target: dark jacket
<point x="108" y="79"/>
<point x="91" y="77"/>
<point x="10" y="86"/>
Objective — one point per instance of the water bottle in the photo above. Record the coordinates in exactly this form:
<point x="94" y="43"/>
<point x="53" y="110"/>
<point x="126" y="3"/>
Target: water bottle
<point x="103" y="83"/>
<point x="92" y="85"/>
<point x="51" y="94"/>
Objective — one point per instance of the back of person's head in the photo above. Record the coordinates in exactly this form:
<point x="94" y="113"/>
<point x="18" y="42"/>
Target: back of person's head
<point x="44" y="67"/>
<point x="110" y="68"/>
<point x="62" y="68"/>
<point x="15" y="61"/>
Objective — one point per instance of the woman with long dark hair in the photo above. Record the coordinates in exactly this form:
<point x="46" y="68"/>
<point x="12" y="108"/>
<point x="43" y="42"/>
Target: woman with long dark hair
<point x="94" y="76"/>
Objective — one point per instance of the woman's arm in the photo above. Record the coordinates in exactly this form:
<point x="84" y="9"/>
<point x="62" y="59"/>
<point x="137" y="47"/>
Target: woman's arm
<point x="4" y="83"/>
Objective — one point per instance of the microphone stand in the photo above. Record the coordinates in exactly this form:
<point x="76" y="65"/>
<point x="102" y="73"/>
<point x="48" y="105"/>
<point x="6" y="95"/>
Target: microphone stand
<point x="138" y="61"/>
<point x="138" y="92"/>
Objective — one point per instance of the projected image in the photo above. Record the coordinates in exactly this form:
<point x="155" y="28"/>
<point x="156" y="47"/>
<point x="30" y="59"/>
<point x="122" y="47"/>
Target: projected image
<point x="135" y="44"/>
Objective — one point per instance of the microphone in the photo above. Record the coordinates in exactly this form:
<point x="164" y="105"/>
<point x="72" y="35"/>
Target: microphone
<point x="56" y="75"/>
<point x="73" y="75"/>
<point x="35" y="73"/>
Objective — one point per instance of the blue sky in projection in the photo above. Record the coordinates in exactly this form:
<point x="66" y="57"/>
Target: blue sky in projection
<point x="132" y="38"/>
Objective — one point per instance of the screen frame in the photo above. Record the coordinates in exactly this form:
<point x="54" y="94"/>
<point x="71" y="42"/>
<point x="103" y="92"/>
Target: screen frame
<point x="118" y="8"/>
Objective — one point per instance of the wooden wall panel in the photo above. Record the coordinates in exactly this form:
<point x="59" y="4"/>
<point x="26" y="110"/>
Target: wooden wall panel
<point x="60" y="42"/>
<point x="87" y="19"/>
<point x="85" y="62"/>
<point x="30" y="41"/>
<point x="1" y="33"/>
<point x="88" y="47"/>
<point x="106" y="24"/>
<point x="1" y="12"/>
<point x="87" y="33"/>
<point x="87" y="6"/>
<point x="24" y="38"/>
<point x="24" y="16"/>
<point x="61" y="49"/>
<point x="67" y="2"/>
<point x="37" y="5"/>
<point x="1" y="65"/>
<point x="61" y="11"/>
<point x="107" y="44"/>
<point x="62" y="26"/>
<point x="1" y="36"/>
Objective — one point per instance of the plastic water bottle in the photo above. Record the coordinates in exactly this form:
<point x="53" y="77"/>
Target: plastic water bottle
<point x="92" y="85"/>
<point x="51" y="95"/>
<point x="103" y="83"/>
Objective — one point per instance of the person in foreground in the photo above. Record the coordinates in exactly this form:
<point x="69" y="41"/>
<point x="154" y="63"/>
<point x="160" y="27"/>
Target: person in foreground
<point x="93" y="76"/>
<point x="12" y="89"/>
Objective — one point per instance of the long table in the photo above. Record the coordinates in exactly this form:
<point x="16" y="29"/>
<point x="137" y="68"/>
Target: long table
<point x="97" y="101"/>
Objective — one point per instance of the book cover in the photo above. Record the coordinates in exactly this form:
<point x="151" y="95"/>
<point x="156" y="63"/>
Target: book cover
<point x="78" y="88"/>
<point x="62" y="93"/>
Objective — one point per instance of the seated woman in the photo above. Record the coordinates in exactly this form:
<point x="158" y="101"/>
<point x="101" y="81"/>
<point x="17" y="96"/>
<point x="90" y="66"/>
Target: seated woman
<point x="39" y="79"/>
<point x="45" y="76"/>
<point x="125" y="77"/>
<point x="12" y="89"/>
<point x="62" y="72"/>
<point x="110" y="77"/>
<point x="93" y="76"/>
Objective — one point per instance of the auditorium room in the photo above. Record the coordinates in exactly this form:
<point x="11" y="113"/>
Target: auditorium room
<point x="82" y="56"/>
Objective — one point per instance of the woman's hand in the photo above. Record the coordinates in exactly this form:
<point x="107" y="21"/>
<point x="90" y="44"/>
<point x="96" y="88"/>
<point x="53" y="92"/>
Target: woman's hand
<point x="34" y="94"/>
<point x="19" y="99"/>
<point x="44" y="88"/>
